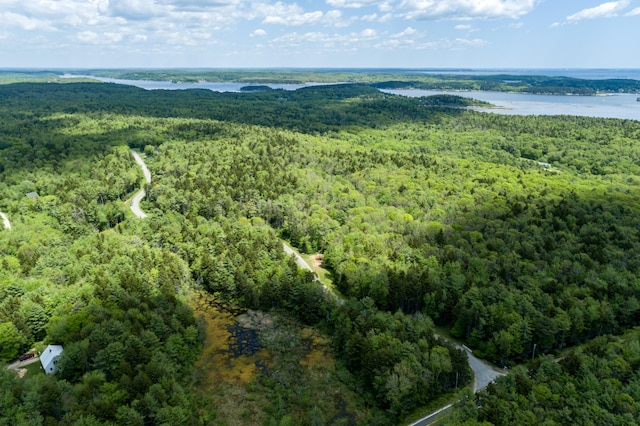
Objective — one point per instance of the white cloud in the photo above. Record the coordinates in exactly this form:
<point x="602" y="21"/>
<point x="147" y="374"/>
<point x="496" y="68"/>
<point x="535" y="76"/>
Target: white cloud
<point x="87" y="37"/>
<point x="198" y="5"/>
<point x="135" y="9"/>
<point x="354" y="4"/>
<point x="634" y="12"/>
<point x="385" y="7"/>
<point x="295" y="20"/>
<point x="294" y="15"/>
<point x="188" y="38"/>
<point x="386" y="18"/>
<point x="370" y="18"/>
<point x="295" y="38"/>
<point x="463" y="27"/>
<point x="368" y="33"/>
<point x="63" y="14"/>
<point x="455" y="44"/>
<point x="395" y="43"/>
<point x="466" y="9"/>
<point x="10" y="19"/>
<point x="604" y="10"/>
<point x="107" y="38"/>
<point x="555" y="25"/>
<point x="258" y="33"/>
<point x="407" y="32"/>
<point x="331" y="41"/>
<point x="444" y="44"/>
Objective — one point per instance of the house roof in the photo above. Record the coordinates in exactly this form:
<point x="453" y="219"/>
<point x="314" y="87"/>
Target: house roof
<point x="33" y="194"/>
<point x="48" y="357"/>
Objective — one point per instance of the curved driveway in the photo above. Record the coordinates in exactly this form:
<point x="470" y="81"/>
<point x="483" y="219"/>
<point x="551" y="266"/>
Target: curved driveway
<point x="5" y="220"/>
<point x="135" y="203"/>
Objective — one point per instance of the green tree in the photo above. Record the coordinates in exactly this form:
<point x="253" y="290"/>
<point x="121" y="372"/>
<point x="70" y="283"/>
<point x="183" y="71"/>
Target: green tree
<point x="11" y="341"/>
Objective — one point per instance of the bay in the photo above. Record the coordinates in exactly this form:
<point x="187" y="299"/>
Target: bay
<point x="624" y="106"/>
<point x="621" y="105"/>
<point x="583" y="73"/>
<point x="169" y="85"/>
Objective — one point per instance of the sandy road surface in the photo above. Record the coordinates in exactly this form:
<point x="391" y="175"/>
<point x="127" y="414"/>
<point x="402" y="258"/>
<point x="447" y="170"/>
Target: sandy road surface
<point x="135" y="203"/>
<point x="301" y="263"/>
<point x="145" y="170"/>
<point x="304" y="265"/>
<point x="5" y="220"/>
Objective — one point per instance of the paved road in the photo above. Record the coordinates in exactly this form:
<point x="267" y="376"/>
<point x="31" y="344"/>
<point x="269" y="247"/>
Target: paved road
<point x="483" y="372"/>
<point x="5" y="219"/>
<point x="432" y="417"/>
<point x="483" y="375"/>
<point x="135" y="203"/>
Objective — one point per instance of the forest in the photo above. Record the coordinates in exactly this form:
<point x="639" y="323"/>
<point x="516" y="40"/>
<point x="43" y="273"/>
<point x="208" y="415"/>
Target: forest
<point x="518" y="236"/>
<point x="596" y="383"/>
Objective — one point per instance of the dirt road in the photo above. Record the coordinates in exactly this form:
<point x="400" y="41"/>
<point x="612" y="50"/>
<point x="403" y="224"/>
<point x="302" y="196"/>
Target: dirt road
<point x="5" y="220"/>
<point x="135" y="203"/>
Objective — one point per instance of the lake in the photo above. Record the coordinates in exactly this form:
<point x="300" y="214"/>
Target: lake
<point x="611" y="106"/>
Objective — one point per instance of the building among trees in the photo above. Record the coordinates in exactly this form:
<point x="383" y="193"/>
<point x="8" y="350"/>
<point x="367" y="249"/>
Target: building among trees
<point x="49" y="358"/>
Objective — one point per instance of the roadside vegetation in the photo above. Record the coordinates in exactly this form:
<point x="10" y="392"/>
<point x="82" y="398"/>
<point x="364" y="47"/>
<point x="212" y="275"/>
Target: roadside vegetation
<point x="514" y="233"/>
<point x="595" y="383"/>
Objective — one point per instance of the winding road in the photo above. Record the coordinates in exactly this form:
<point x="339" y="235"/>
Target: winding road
<point x="483" y="375"/>
<point x="135" y="203"/>
<point x="5" y="220"/>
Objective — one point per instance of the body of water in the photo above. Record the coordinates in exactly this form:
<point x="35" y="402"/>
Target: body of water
<point x="611" y="106"/>
<point x="169" y="85"/>
<point x="584" y="73"/>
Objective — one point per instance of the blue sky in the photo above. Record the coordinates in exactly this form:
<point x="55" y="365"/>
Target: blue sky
<point x="329" y="33"/>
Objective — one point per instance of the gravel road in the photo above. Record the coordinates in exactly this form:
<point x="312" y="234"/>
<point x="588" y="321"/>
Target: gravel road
<point x="135" y="203"/>
<point x="5" y="220"/>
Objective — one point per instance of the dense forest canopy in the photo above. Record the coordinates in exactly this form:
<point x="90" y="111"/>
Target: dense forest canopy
<point x="510" y="232"/>
<point x="597" y="383"/>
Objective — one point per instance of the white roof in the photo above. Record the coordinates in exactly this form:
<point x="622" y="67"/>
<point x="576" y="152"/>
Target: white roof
<point x="48" y="356"/>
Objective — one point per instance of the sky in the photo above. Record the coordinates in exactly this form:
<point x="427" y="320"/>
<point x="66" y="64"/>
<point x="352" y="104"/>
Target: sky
<point x="326" y="34"/>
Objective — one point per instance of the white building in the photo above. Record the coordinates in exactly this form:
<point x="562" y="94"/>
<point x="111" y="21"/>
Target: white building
<point x="49" y="357"/>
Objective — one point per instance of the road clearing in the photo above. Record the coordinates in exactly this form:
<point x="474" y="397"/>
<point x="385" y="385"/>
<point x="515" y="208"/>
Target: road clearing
<point x="5" y="220"/>
<point x="135" y="203"/>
